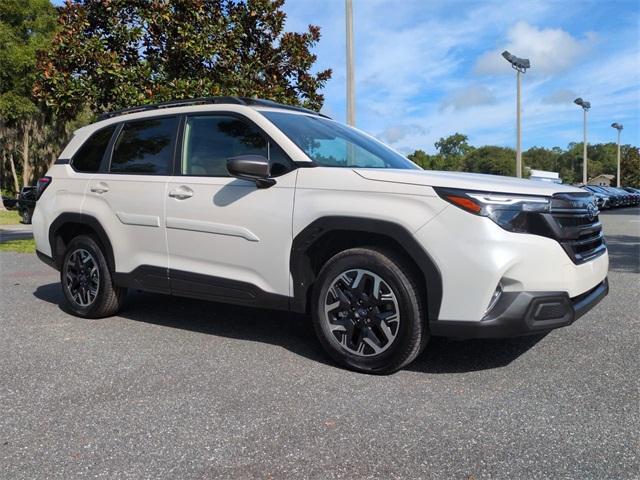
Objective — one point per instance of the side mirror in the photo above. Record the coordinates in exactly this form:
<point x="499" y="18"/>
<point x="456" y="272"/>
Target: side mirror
<point x="251" y="167"/>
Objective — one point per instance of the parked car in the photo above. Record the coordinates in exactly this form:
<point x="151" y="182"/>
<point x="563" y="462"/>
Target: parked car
<point x="9" y="203"/>
<point x="602" y="200"/>
<point x="26" y="203"/>
<point x="627" y="199"/>
<point x="615" y="198"/>
<point x="635" y="193"/>
<point x="250" y="202"/>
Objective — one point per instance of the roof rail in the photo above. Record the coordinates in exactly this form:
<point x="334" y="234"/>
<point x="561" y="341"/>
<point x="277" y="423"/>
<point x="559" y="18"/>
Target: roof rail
<point x="172" y="103"/>
<point x="259" y="102"/>
<point x="204" y="101"/>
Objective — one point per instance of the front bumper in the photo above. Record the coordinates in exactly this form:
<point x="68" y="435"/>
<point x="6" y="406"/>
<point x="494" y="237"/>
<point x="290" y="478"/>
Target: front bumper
<point x="524" y="313"/>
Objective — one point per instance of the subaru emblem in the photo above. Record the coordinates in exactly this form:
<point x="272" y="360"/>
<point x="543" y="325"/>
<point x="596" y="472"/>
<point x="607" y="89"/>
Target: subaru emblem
<point x="592" y="211"/>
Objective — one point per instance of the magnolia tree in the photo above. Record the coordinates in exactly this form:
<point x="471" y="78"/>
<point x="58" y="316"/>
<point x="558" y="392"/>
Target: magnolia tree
<point x="115" y="54"/>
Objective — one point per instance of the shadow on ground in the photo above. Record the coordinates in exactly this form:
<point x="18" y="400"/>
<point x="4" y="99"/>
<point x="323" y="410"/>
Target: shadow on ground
<point x="624" y="253"/>
<point x="294" y="332"/>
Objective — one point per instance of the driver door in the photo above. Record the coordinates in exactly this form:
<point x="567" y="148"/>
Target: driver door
<point x="228" y="240"/>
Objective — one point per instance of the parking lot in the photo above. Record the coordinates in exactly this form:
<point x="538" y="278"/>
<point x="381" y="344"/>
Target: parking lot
<point x="177" y="388"/>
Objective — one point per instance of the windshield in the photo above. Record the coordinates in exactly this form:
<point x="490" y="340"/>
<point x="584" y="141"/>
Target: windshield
<point x="331" y="144"/>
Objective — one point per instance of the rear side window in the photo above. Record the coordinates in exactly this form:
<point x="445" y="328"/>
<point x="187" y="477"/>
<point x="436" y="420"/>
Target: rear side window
<point x="209" y="140"/>
<point x="145" y="147"/>
<point x="87" y="159"/>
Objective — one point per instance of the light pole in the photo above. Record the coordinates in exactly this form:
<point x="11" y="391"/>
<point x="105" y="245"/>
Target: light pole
<point x="585" y="108"/>
<point x="618" y="127"/>
<point x="520" y="65"/>
<point x="351" y="102"/>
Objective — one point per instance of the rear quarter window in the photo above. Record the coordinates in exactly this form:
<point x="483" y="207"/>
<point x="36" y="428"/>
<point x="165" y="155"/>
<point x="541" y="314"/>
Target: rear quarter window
<point x="89" y="156"/>
<point x="145" y="147"/>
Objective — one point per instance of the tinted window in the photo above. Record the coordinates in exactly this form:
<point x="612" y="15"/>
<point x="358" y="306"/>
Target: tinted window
<point x="88" y="157"/>
<point x="145" y="147"/>
<point x="332" y="144"/>
<point x="210" y="140"/>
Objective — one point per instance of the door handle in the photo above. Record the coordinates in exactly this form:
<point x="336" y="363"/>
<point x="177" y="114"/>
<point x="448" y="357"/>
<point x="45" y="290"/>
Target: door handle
<point x="100" y="188"/>
<point x="181" y="193"/>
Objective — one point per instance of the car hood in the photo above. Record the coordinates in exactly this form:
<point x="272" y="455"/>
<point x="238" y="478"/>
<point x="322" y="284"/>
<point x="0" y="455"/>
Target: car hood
<point x="467" y="181"/>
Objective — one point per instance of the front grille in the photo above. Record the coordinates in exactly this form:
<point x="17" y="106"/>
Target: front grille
<point x="574" y="223"/>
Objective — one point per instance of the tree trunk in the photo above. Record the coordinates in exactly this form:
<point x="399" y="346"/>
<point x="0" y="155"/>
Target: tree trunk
<point x="14" y="173"/>
<point x="4" y="156"/>
<point x="27" y="169"/>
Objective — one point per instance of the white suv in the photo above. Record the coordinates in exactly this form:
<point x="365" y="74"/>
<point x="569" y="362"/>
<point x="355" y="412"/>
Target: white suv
<point x="251" y="202"/>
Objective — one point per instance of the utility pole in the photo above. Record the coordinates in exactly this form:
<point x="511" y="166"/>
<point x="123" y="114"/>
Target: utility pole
<point x="618" y="127"/>
<point x="584" y="149"/>
<point x="518" y="132"/>
<point x="585" y="108"/>
<point x="520" y="65"/>
<point x="351" y="102"/>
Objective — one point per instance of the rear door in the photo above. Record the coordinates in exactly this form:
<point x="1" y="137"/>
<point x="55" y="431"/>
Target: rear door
<point x="227" y="239"/>
<point x="128" y="198"/>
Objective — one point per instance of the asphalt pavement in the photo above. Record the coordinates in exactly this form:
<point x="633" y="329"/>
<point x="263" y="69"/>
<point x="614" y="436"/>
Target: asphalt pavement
<point x="15" y="232"/>
<point x="182" y="389"/>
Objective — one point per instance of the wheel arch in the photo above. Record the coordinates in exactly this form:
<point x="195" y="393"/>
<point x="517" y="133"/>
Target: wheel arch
<point x="326" y="236"/>
<point x="69" y="225"/>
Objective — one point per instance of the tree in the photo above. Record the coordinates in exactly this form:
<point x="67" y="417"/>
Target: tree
<point x="455" y="145"/>
<point x="116" y="54"/>
<point x="25" y="27"/>
<point x="541" y="158"/>
<point x="426" y="161"/>
<point x="452" y="150"/>
<point x="630" y="166"/>
<point x="491" y="159"/>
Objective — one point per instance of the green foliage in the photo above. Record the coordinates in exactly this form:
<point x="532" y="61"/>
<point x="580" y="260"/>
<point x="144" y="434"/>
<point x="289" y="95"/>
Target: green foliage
<point x="455" y="145"/>
<point x="630" y="166"/>
<point x="490" y="159"/>
<point x="25" y="27"/>
<point x="9" y="217"/>
<point x="19" y="246"/>
<point x="454" y="153"/>
<point x="116" y="54"/>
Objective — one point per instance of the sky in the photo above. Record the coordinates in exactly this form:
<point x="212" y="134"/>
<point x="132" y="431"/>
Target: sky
<point x="427" y="69"/>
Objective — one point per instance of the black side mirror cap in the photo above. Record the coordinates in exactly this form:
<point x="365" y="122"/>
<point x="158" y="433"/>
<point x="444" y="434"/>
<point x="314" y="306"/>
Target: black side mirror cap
<point x="255" y="168"/>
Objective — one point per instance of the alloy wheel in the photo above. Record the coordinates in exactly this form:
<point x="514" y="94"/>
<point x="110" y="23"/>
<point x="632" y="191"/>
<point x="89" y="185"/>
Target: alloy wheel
<point x="361" y="312"/>
<point x="82" y="277"/>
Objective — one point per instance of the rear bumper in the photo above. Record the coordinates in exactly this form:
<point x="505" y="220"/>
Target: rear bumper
<point x="524" y="313"/>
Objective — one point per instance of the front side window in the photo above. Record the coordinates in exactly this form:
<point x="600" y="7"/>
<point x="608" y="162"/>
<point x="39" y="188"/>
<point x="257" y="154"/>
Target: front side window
<point x="332" y="144"/>
<point x="88" y="158"/>
<point x="145" y="147"/>
<point x="209" y="140"/>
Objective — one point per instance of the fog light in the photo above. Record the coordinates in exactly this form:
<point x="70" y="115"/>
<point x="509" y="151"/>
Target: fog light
<point x="494" y="298"/>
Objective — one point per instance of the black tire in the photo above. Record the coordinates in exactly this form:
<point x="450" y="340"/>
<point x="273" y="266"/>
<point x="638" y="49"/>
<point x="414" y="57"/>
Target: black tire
<point x="109" y="298"/>
<point x="26" y="215"/>
<point x="412" y="332"/>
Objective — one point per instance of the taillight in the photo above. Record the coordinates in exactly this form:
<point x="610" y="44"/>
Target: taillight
<point x="43" y="183"/>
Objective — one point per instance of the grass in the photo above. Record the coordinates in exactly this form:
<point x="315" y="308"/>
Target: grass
<point x="10" y="217"/>
<point x="19" y="246"/>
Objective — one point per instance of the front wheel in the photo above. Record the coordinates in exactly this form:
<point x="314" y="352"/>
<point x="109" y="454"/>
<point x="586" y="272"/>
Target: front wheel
<point x="369" y="311"/>
<point x="87" y="282"/>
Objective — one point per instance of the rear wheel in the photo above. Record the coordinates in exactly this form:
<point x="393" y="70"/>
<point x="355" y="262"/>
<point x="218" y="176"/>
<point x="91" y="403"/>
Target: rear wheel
<point x="87" y="282"/>
<point x="25" y="215"/>
<point x="369" y="311"/>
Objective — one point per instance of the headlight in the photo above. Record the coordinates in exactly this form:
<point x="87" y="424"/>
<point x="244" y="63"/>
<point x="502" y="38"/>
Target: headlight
<point x="516" y="213"/>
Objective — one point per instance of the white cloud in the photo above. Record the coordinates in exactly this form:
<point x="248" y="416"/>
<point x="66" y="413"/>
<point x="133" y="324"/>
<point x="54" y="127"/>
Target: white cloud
<point x="394" y="133"/>
<point x="550" y="50"/>
<point x="561" y="96"/>
<point x="468" y="97"/>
